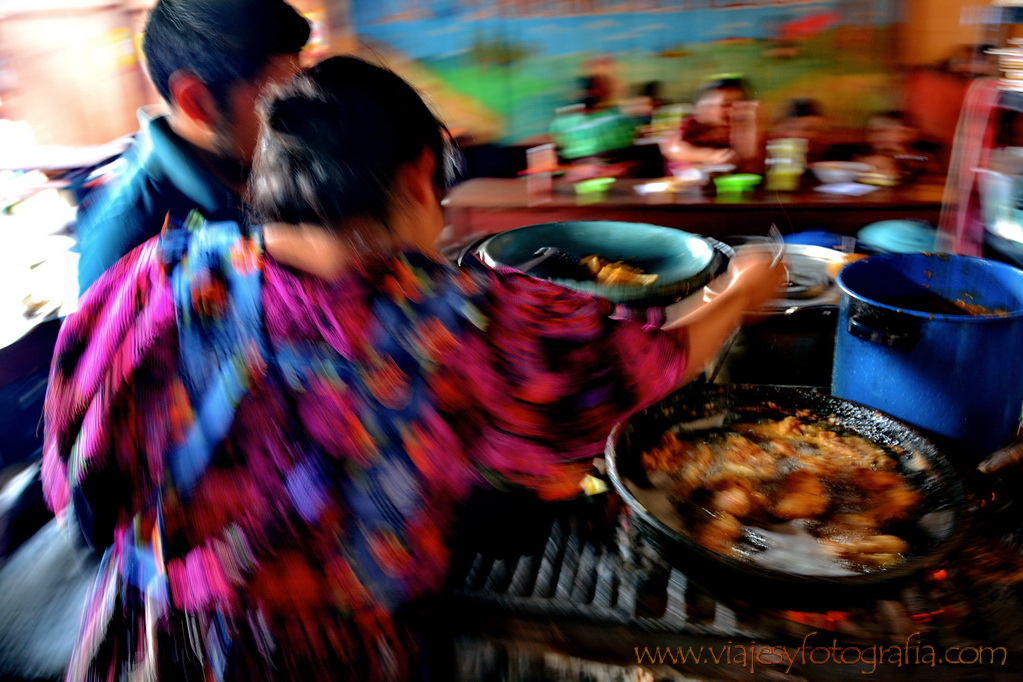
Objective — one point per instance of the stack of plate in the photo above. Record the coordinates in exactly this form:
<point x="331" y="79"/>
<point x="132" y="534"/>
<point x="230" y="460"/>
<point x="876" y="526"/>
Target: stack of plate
<point x="1010" y="62"/>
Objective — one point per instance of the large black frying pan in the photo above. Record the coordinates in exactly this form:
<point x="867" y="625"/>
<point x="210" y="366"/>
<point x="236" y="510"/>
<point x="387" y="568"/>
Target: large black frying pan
<point x="927" y="470"/>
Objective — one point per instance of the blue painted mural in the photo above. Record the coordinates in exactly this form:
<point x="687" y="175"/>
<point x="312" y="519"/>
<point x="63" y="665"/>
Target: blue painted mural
<point x="522" y="59"/>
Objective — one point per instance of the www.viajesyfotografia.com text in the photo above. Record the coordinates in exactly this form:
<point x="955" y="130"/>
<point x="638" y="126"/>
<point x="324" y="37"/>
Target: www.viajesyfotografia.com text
<point x="749" y="656"/>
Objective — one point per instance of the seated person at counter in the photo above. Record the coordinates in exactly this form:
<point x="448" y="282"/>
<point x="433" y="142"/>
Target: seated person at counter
<point x="894" y="147"/>
<point x="354" y="387"/>
<point x="721" y="130"/>
<point x="803" y="119"/>
<point x="594" y="135"/>
<point x="209" y="61"/>
<point x="645" y="104"/>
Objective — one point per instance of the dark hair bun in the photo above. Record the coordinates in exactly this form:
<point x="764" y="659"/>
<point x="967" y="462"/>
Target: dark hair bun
<point x="286" y="114"/>
<point x="335" y="140"/>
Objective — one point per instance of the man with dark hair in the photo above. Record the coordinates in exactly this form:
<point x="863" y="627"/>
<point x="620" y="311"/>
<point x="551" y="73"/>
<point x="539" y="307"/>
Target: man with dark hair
<point x="209" y="60"/>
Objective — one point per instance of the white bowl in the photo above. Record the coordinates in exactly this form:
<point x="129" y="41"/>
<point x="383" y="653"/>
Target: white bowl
<point x="830" y="172"/>
<point x="690" y="176"/>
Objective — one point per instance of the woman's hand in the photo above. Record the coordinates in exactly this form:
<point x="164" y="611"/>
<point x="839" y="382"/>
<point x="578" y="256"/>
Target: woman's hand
<point x="758" y="279"/>
<point x="716" y="157"/>
<point x="744" y="113"/>
<point x="743" y="119"/>
<point x="752" y="279"/>
<point x="678" y="151"/>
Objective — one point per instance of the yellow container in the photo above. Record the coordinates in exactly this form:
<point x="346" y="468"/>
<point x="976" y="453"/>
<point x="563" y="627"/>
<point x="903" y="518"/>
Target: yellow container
<point x="784" y="179"/>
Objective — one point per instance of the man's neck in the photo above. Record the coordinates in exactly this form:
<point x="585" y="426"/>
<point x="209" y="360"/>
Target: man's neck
<point x="229" y="171"/>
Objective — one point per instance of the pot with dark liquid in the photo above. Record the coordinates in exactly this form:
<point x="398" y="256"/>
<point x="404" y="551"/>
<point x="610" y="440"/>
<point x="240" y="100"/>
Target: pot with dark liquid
<point x="935" y="340"/>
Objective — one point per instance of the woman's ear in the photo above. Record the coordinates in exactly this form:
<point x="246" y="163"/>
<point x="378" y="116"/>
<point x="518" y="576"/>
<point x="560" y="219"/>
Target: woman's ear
<point x="417" y="217"/>
<point x="419" y="179"/>
<point x="192" y="98"/>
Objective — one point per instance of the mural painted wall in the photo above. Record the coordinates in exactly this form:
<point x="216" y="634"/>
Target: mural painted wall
<point x="515" y="61"/>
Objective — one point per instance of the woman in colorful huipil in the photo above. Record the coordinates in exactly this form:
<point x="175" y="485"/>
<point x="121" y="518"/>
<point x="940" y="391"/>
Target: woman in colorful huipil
<point x="268" y="428"/>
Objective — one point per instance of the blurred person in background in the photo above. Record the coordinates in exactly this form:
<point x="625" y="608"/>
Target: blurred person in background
<point x="647" y="101"/>
<point x="651" y="91"/>
<point x="972" y="61"/>
<point x="594" y="136"/>
<point x="894" y="147"/>
<point x="721" y="130"/>
<point x="597" y="93"/>
<point x="209" y="60"/>
<point x="268" y="427"/>
<point x="803" y="119"/>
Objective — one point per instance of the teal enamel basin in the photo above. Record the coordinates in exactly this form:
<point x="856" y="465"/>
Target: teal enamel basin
<point x="682" y="261"/>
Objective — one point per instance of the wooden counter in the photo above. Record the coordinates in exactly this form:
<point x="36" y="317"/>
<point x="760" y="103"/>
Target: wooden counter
<point x="486" y="205"/>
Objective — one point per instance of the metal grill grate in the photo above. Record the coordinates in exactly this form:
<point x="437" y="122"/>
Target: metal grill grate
<point x="605" y="575"/>
<point x="595" y="590"/>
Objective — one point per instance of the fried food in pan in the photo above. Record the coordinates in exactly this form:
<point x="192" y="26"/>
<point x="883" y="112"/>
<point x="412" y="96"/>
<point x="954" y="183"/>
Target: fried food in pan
<point x="840" y="487"/>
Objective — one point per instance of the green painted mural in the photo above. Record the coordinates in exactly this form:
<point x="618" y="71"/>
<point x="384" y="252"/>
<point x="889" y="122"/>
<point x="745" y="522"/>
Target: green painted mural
<point x="508" y="65"/>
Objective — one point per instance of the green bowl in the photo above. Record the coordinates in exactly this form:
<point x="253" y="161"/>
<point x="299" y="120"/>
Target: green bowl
<point x="593" y="185"/>
<point x="737" y="184"/>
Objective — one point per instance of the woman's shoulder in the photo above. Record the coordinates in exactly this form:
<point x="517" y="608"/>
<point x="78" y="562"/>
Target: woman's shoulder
<point x="417" y="277"/>
<point x="135" y="273"/>
<point x="479" y="294"/>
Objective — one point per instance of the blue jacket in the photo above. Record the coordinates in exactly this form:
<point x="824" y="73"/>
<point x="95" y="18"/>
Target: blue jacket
<point x="156" y="176"/>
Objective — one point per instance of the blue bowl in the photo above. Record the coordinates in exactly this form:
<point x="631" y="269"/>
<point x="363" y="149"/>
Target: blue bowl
<point x="682" y="261"/>
<point x="898" y="236"/>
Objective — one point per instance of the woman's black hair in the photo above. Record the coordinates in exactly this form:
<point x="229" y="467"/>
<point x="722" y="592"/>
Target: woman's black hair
<point x="651" y="89"/>
<point x="802" y="107"/>
<point x="595" y="88"/>
<point x="728" y="83"/>
<point x="334" y="140"/>
<point x="895" y="115"/>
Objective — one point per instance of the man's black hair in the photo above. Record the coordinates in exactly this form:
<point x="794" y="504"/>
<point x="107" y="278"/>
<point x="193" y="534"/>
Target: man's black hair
<point x="222" y="42"/>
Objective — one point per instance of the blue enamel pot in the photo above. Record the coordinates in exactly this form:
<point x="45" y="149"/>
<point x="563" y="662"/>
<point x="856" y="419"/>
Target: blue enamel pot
<point x="935" y="340"/>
